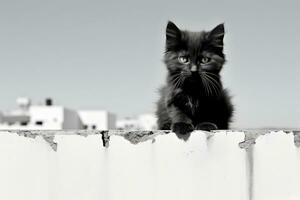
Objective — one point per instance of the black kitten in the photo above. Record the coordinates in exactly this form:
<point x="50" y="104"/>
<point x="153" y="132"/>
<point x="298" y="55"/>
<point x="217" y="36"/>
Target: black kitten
<point x="193" y="97"/>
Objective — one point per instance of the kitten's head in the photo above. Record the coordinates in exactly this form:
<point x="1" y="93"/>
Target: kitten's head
<point x="194" y="55"/>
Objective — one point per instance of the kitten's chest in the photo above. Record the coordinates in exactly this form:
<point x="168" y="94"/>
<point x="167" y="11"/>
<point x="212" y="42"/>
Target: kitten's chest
<point x="195" y="106"/>
<point x="189" y="104"/>
<point x="192" y="105"/>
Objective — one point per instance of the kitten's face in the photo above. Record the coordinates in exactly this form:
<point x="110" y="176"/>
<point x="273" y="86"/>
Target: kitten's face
<point x="194" y="54"/>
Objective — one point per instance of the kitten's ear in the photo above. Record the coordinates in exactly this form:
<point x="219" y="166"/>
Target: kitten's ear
<point x="217" y="35"/>
<point x="172" y="31"/>
<point x="173" y="35"/>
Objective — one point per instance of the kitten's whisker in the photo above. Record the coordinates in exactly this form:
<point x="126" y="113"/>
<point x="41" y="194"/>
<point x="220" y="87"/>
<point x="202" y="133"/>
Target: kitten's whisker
<point x="176" y="80"/>
<point x="212" y="76"/>
<point x="211" y="89"/>
<point x="206" y="86"/>
<point x="179" y="81"/>
<point x="175" y="77"/>
<point x="215" y="85"/>
<point x="183" y="79"/>
<point x="201" y="77"/>
<point x="219" y="86"/>
<point x="176" y="85"/>
<point x="183" y="72"/>
<point x="209" y="73"/>
<point x="212" y="85"/>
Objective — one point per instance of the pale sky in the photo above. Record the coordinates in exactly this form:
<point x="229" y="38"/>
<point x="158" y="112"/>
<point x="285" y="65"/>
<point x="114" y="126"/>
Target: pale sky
<point x="108" y="54"/>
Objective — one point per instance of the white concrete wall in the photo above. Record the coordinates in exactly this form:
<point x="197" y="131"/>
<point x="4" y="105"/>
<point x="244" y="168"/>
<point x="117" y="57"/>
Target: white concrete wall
<point x="160" y="169"/>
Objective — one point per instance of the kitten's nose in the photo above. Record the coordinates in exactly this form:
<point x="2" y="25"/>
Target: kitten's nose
<point x="194" y="68"/>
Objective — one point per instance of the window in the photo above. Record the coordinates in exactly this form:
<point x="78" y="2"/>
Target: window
<point x="24" y="123"/>
<point x="40" y="123"/>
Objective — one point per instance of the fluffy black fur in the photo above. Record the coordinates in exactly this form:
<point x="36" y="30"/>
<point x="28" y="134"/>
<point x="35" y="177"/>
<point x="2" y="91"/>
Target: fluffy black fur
<point x="193" y="97"/>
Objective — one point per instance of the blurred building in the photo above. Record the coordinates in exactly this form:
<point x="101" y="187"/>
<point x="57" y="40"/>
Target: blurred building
<point x="127" y="123"/>
<point x="97" y="119"/>
<point x="147" y="121"/>
<point x="1" y="116"/>
<point x="53" y="117"/>
<point x="142" y="122"/>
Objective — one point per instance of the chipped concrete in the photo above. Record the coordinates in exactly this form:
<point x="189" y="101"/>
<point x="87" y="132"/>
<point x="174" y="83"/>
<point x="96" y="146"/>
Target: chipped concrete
<point x="296" y="138"/>
<point x="135" y="137"/>
<point x="105" y="139"/>
<point x="28" y="134"/>
<point x="50" y="141"/>
<point x="249" y="141"/>
<point x="252" y="135"/>
<point x="139" y="136"/>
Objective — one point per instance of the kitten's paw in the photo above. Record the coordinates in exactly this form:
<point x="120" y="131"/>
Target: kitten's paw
<point x="206" y="126"/>
<point x="182" y="128"/>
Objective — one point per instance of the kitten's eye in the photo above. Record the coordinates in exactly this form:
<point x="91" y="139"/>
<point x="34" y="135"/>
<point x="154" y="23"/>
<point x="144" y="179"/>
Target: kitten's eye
<point x="184" y="59"/>
<point x="205" y="60"/>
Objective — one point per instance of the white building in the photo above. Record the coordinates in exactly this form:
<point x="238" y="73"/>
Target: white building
<point x="97" y="119"/>
<point x="54" y="117"/>
<point x="127" y="124"/>
<point x="142" y="122"/>
<point x="1" y="117"/>
<point x="147" y="121"/>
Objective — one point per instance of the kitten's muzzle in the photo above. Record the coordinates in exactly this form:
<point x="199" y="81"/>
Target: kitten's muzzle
<point x="194" y="68"/>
